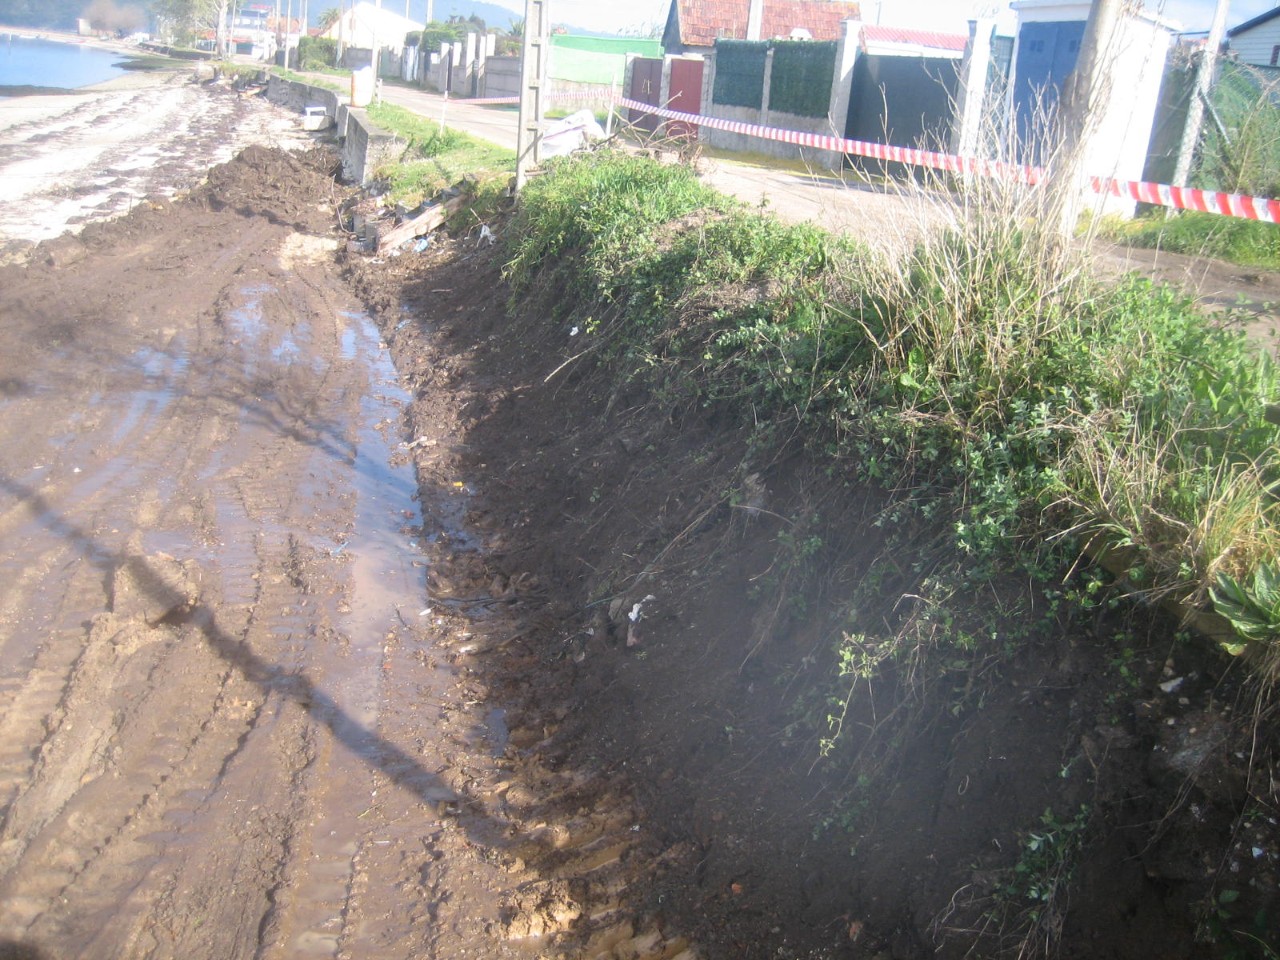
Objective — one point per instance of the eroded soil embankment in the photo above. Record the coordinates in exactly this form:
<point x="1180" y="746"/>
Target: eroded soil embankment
<point x="614" y="497"/>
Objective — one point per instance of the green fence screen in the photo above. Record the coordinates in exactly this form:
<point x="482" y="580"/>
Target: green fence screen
<point x="801" y="79"/>
<point x="740" y="73"/>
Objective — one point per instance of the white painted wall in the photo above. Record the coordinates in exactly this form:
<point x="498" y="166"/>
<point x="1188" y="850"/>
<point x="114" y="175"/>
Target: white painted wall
<point x="1121" y="135"/>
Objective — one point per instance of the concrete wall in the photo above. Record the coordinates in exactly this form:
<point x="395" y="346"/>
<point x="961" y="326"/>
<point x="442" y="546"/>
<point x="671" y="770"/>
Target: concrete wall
<point x="501" y="77"/>
<point x="739" y="142"/>
<point x="364" y="146"/>
<point x="299" y="96"/>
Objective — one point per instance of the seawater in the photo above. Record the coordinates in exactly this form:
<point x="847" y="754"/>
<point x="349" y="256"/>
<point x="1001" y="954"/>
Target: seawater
<point x="33" y="61"/>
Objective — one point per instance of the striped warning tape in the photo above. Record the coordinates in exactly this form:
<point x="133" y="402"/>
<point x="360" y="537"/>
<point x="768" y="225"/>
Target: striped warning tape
<point x="1159" y="194"/>
<point x="489" y="101"/>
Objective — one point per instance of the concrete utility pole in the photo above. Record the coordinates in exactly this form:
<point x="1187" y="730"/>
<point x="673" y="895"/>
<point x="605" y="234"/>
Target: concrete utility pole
<point x="533" y="77"/>
<point x="1205" y="70"/>
<point x="377" y="51"/>
<point x="1086" y="92"/>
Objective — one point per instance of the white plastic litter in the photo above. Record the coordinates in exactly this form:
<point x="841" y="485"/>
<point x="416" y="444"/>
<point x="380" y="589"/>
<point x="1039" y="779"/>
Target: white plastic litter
<point x="572" y="133"/>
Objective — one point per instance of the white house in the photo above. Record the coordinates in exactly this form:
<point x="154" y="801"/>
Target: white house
<point x="366" y="26"/>
<point x="1257" y="41"/>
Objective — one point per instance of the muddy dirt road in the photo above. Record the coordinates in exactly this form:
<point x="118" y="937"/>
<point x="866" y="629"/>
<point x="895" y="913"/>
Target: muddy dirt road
<point x="229" y="723"/>
<point x="201" y="575"/>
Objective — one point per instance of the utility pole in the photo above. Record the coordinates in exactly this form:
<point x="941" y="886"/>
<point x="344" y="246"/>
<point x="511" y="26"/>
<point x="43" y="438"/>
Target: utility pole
<point x="377" y="51"/>
<point x="1205" y="70"/>
<point x="1086" y="92"/>
<point x="533" y="75"/>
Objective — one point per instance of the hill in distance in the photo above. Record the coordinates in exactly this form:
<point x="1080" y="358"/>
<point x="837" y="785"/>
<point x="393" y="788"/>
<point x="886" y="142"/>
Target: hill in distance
<point x="493" y="14"/>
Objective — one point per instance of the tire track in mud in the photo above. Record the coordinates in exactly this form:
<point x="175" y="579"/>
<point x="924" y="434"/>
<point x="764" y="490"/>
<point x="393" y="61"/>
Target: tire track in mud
<point x="134" y="796"/>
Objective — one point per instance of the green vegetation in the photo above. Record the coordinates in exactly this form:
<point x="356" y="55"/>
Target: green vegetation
<point x="434" y="157"/>
<point x="1247" y="242"/>
<point x="317" y="53"/>
<point x="988" y="386"/>
<point x="284" y="74"/>
<point x="1030" y="907"/>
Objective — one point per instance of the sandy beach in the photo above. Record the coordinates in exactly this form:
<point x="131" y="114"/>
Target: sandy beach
<point x="68" y="160"/>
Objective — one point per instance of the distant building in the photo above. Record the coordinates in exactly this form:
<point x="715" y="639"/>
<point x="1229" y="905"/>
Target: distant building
<point x="905" y="42"/>
<point x="1257" y="41"/>
<point x="693" y="26"/>
<point x="253" y="31"/>
<point x="365" y="24"/>
<point x="365" y="27"/>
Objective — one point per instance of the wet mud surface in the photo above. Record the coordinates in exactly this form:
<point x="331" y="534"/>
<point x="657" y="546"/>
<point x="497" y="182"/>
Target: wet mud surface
<point x="344" y="615"/>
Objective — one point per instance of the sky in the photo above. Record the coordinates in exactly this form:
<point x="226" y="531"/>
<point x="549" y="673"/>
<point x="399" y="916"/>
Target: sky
<point x="945" y="15"/>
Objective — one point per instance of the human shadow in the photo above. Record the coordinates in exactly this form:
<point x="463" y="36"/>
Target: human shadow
<point x="400" y="767"/>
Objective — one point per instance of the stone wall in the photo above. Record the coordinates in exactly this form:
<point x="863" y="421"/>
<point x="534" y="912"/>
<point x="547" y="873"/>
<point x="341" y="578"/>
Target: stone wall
<point x="298" y="96"/>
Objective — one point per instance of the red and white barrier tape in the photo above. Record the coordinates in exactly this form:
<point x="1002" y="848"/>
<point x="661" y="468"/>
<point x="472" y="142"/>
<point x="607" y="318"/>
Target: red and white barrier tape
<point x="1180" y="198"/>
<point x="489" y="101"/>
<point x="1160" y="194"/>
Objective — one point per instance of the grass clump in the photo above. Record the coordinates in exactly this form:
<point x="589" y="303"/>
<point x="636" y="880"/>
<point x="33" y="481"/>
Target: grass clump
<point x="984" y="380"/>
<point x="1247" y="242"/>
<point x="434" y="157"/>
<point x="336" y="87"/>
<point x="605" y="211"/>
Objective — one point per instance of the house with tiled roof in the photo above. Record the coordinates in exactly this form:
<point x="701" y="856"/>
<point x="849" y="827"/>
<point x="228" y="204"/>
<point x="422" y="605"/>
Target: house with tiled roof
<point x="693" y="26"/>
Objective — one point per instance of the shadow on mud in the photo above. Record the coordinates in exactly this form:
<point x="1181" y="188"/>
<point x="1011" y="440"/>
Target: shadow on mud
<point x="401" y="768"/>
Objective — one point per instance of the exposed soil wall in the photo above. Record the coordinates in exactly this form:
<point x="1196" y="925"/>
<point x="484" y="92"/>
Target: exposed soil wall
<point x="688" y="646"/>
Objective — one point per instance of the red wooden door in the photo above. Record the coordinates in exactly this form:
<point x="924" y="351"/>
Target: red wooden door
<point x="685" y="96"/>
<point x="646" y="86"/>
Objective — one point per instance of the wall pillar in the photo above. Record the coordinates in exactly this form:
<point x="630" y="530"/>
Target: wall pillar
<point x="966" y="133"/>
<point x="768" y="84"/>
<point x="847" y="49"/>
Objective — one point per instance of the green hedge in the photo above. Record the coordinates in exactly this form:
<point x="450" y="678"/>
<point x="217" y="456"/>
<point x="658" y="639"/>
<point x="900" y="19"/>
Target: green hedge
<point x="800" y="82"/>
<point x="316" y="53"/>
<point x="740" y="73"/>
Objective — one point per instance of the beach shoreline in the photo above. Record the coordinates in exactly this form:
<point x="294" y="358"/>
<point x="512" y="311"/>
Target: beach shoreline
<point x="94" y="154"/>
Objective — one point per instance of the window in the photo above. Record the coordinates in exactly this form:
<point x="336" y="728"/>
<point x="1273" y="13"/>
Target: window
<point x="1275" y="55"/>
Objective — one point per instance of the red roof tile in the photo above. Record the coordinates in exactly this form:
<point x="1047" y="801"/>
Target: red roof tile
<point x="702" y="22"/>
<point x="920" y="38"/>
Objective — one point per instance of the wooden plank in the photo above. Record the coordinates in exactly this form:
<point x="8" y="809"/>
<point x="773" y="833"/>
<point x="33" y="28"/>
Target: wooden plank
<point x="423" y="223"/>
